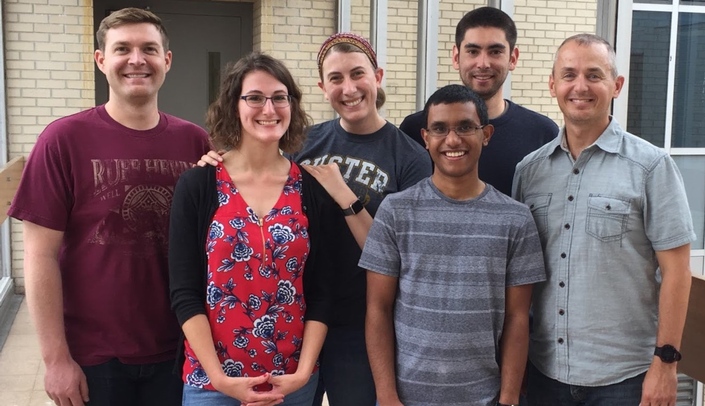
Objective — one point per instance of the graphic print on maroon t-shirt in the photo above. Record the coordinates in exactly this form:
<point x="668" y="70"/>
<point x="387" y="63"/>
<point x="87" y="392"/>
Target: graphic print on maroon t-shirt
<point x="142" y="216"/>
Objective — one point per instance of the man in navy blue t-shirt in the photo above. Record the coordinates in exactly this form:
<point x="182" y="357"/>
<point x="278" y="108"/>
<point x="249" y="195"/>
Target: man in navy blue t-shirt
<point x="484" y="53"/>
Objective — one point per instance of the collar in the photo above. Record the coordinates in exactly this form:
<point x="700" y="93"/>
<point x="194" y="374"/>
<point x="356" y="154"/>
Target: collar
<point x="609" y="141"/>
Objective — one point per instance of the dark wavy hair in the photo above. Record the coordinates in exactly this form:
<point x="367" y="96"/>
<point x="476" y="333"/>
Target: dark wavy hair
<point x="130" y="15"/>
<point x="223" y="118"/>
<point x="347" y="48"/>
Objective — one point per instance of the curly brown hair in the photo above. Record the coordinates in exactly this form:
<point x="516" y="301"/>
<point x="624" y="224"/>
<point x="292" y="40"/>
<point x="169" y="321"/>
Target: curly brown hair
<point x="126" y="16"/>
<point x="223" y="118"/>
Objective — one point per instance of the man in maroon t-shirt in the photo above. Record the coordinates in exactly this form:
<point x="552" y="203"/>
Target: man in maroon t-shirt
<point x="94" y="199"/>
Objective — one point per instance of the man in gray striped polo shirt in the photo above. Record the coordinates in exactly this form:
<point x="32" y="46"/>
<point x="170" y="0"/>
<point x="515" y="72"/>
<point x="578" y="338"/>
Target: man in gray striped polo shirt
<point x="451" y="262"/>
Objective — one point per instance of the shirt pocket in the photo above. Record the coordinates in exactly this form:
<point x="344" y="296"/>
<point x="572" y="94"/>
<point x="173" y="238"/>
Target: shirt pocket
<point x="538" y="204"/>
<point x="607" y="217"/>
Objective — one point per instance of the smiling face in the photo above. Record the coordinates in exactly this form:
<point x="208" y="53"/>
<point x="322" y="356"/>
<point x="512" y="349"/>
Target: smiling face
<point x="584" y="84"/>
<point x="265" y="124"/>
<point x="455" y="157"/>
<point x="350" y="84"/>
<point x="134" y="62"/>
<point x="484" y="60"/>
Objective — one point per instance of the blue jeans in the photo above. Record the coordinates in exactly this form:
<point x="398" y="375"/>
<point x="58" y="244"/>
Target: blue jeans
<point x="345" y="370"/>
<point x="544" y="391"/>
<point x="194" y="396"/>
<point x="116" y="384"/>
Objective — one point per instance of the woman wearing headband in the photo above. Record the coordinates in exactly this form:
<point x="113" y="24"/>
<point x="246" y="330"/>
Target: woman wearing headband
<point x="376" y="159"/>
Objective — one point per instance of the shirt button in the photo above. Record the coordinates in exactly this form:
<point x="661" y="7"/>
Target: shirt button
<point x="560" y="341"/>
<point x="576" y="171"/>
<point x="563" y="255"/>
<point x="561" y="312"/>
<point x="561" y="284"/>
<point x="570" y="198"/>
<point x="567" y="226"/>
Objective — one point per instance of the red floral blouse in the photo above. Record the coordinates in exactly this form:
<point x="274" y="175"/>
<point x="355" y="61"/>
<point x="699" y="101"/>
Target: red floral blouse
<point x="254" y="299"/>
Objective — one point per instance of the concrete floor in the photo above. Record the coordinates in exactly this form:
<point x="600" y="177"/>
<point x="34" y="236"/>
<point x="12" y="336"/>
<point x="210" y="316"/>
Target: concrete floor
<point x="21" y="366"/>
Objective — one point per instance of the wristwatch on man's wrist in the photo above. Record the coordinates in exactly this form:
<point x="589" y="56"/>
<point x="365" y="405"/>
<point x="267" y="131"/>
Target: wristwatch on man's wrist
<point x="505" y="404"/>
<point x="668" y="353"/>
<point x="355" y="207"/>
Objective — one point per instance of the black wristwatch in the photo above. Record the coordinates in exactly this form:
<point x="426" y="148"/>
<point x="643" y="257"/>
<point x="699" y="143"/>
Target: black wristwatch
<point x="355" y="207"/>
<point x="504" y="404"/>
<point x="668" y="354"/>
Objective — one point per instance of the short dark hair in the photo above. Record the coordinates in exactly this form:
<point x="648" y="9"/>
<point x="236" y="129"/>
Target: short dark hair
<point x="587" y="39"/>
<point x="223" y="118"/>
<point x="487" y="17"/>
<point x="456" y="94"/>
<point x="126" y="16"/>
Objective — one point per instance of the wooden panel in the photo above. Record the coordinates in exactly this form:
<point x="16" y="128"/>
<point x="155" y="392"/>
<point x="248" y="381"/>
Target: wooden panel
<point x="9" y="180"/>
<point x="693" y="345"/>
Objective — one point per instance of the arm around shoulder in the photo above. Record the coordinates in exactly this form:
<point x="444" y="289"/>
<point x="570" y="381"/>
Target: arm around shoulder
<point x="332" y="181"/>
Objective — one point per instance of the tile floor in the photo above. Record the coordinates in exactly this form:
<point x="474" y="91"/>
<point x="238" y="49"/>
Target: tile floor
<point x="21" y="367"/>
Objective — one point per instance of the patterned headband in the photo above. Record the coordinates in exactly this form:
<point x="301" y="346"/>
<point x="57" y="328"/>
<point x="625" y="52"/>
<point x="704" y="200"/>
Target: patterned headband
<point x="349" y="38"/>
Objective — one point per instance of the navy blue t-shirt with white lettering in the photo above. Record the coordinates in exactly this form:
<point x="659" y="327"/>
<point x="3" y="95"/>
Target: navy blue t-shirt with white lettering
<point x="373" y="165"/>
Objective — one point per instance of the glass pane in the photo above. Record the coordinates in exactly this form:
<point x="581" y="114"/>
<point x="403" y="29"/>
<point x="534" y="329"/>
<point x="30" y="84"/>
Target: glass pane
<point x="654" y="1"/>
<point x="648" y="75"/>
<point x="691" y="168"/>
<point x="697" y="265"/>
<point x="689" y="95"/>
<point x="692" y="2"/>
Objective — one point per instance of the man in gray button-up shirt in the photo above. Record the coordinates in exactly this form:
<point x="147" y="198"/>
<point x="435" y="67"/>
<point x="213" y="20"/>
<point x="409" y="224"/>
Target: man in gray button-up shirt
<point x="615" y="226"/>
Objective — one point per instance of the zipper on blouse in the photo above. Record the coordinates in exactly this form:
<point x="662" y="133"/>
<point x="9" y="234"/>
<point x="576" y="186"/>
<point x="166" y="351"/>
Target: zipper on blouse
<point x="260" y="222"/>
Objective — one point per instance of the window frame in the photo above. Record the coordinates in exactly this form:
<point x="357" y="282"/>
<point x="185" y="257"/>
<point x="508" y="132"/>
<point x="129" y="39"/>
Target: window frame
<point x="621" y="104"/>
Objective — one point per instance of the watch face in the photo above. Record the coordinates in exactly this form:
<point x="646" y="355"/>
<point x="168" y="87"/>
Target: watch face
<point x="668" y="353"/>
<point x="357" y="206"/>
<point x="354" y="208"/>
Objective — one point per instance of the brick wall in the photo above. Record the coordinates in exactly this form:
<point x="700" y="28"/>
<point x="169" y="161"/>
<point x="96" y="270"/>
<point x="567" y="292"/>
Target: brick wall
<point x="49" y="54"/>
<point x="49" y="74"/>
<point x="293" y="30"/>
<point x="542" y="26"/>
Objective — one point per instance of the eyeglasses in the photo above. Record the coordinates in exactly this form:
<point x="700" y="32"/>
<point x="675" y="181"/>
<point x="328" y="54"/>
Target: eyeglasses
<point x="463" y="130"/>
<point x="257" y="100"/>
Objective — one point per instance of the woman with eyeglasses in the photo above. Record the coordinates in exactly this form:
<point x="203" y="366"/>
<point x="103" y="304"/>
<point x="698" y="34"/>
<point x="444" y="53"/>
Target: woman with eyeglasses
<point x="375" y="159"/>
<point x="249" y="248"/>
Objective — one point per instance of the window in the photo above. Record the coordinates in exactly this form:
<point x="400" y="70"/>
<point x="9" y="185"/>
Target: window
<point x="660" y="48"/>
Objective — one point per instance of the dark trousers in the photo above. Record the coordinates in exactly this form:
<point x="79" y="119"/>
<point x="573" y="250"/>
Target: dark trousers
<point x="116" y="384"/>
<point x="345" y="373"/>
<point x="544" y="391"/>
